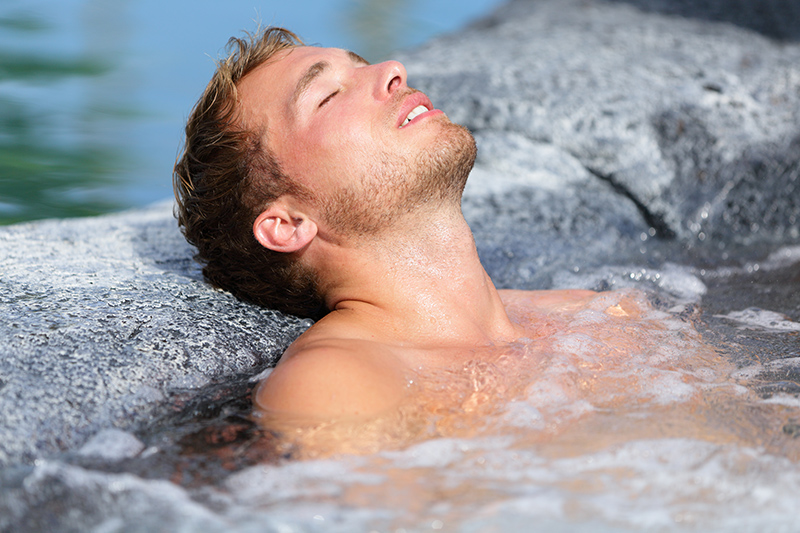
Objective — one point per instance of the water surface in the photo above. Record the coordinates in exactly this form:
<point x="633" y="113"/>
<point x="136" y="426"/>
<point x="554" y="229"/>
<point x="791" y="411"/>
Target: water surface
<point x="94" y="93"/>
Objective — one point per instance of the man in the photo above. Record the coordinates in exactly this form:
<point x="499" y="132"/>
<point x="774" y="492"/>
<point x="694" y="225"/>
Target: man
<point x="318" y="184"/>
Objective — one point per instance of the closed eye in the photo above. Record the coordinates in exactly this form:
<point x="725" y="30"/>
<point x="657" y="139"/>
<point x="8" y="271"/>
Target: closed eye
<point x="328" y="98"/>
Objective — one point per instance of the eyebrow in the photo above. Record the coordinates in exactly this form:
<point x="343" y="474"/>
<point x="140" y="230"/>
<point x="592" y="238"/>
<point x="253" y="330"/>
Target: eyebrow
<point x="315" y="70"/>
<point x="357" y="58"/>
<point x="310" y="75"/>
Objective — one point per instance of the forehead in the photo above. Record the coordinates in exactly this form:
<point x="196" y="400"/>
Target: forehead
<point x="269" y="87"/>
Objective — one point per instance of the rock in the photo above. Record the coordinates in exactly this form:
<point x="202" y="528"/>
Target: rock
<point x="106" y="321"/>
<point x="694" y="123"/>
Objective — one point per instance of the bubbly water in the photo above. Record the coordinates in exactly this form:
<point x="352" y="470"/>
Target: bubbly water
<point x="691" y="423"/>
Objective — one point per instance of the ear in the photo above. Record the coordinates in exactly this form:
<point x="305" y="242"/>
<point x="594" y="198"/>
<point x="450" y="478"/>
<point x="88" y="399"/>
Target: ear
<point x="282" y="229"/>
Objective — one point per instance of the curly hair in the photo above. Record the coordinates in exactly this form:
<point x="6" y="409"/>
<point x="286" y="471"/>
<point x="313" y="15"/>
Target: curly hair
<point x="226" y="176"/>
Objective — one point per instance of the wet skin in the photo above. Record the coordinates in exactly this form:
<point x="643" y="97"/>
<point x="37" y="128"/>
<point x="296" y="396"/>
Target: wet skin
<point x="408" y="295"/>
<point x="590" y="370"/>
<point x="371" y="372"/>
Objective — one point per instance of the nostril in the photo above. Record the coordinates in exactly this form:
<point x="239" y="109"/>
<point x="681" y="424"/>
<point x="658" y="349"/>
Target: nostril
<point x="394" y="83"/>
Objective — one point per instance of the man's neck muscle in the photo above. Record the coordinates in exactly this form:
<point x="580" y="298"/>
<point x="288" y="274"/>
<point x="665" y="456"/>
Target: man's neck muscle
<point x="423" y="286"/>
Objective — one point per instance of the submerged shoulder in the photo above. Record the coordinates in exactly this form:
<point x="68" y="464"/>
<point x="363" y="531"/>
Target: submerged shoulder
<point x="333" y="378"/>
<point x="549" y="299"/>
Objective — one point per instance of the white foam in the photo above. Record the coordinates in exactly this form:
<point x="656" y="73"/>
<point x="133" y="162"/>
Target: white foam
<point x="261" y="376"/>
<point x="761" y="319"/>
<point x="510" y="477"/>
<point x="648" y="484"/>
<point x="310" y="479"/>
<point x="150" y="504"/>
<point x="113" y="445"/>
<point x="789" y="400"/>
<point x="523" y="414"/>
<point x="682" y="282"/>
<point x="678" y="281"/>
<point x="784" y="257"/>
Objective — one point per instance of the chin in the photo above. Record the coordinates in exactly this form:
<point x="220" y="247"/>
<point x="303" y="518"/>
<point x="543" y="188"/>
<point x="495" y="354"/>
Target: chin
<point x="396" y="187"/>
<point x="450" y="163"/>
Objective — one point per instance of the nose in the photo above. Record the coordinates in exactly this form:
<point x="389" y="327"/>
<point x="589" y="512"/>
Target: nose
<point x="391" y="77"/>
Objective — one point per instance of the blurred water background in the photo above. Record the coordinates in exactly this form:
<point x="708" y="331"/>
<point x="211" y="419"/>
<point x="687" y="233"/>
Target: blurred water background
<point x="94" y="93"/>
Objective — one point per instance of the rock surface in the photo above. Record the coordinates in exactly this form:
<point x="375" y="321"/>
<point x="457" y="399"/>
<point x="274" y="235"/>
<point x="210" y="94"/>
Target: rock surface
<point x="610" y="120"/>
<point x="612" y="135"/>
<point x="105" y="322"/>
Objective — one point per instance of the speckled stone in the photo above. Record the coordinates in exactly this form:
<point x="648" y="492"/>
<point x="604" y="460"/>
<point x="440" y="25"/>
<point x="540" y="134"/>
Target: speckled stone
<point x="103" y="319"/>
<point x="680" y="109"/>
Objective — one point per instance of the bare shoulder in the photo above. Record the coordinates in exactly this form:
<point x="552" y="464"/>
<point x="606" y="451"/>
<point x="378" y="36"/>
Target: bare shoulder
<point x="333" y="378"/>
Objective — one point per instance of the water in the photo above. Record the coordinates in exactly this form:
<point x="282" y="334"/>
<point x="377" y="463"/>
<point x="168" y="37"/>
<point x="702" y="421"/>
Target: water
<point x="94" y="93"/>
<point x="677" y="431"/>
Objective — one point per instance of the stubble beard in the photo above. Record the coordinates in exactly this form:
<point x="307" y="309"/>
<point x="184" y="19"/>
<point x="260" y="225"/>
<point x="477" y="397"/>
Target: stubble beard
<point x="397" y="186"/>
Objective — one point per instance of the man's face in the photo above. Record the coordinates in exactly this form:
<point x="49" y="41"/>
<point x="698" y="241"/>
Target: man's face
<point x="339" y="126"/>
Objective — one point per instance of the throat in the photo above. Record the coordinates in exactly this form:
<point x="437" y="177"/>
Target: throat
<point x="431" y="290"/>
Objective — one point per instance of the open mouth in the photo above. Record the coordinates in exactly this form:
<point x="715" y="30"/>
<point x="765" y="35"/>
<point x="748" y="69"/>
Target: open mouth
<point x="417" y="111"/>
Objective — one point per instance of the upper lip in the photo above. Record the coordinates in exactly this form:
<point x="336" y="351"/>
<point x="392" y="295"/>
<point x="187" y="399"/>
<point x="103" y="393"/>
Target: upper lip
<point x="412" y="101"/>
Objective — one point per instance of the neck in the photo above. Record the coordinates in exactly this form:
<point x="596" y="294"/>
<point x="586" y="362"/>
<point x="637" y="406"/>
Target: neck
<point x="424" y="284"/>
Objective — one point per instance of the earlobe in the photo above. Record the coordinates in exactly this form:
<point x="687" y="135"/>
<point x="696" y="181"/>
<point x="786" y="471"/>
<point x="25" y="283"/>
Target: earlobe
<point x="279" y="229"/>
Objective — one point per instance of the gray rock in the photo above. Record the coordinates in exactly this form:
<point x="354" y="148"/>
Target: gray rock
<point x="105" y="320"/>
<point x="695" y="123"/>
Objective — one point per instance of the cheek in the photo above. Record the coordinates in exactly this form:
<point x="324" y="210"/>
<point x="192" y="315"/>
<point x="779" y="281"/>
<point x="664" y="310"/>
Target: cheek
<point x="339" y="145"/>
<point x="346" y="144"/>
<point x="351" y="120"/>
<point x="318" y="161"/>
